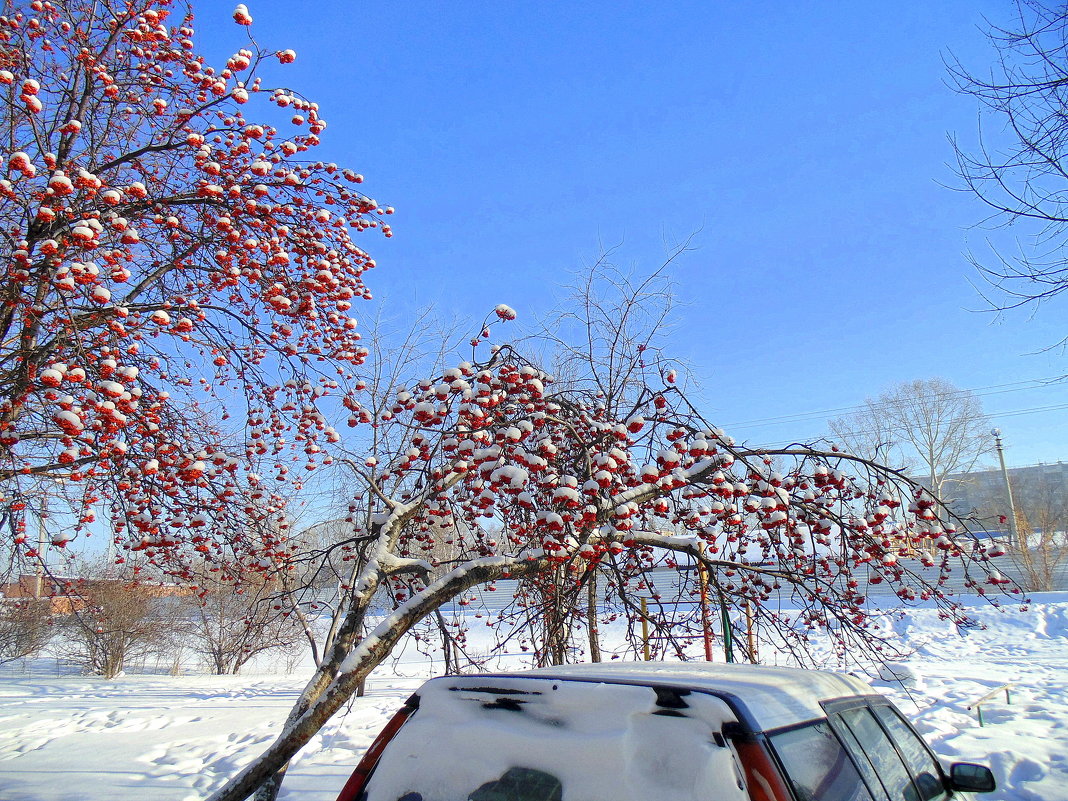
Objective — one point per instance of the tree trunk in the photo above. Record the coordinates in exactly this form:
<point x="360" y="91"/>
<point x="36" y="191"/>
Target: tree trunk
<point x="344" y="637"/>
<point x="446" y="645"/>
<point x="591" y="616"/>
<point x="309" y="633"/>
<point x="336" y="681"/>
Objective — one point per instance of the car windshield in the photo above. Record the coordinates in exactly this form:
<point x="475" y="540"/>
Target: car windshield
<point x="550" y="740"/>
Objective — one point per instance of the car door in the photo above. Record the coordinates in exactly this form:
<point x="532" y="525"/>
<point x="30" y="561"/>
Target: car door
<point x="816" y="765"/>
<point x="921" y="762"/>
<point x="895" y="762"/>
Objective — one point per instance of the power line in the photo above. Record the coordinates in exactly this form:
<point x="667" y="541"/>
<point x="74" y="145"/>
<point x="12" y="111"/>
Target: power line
<point x="994" y="416"/>
<point x="993" y="389"/>
<point x="1054" y="408"/>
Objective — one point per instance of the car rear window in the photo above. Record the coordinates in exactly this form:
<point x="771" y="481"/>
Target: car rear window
<point x="551" y="740"/>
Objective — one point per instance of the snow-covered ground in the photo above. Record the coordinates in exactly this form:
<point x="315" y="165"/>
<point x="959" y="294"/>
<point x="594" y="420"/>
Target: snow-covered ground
<point x="67" y="738"/>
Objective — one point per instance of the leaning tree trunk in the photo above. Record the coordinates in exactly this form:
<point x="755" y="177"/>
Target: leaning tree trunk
<point x="349" y="664"/>
<point x="346" y="637"/>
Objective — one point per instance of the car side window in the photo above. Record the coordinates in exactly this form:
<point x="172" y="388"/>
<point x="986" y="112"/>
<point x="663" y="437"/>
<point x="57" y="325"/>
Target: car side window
<point x="876" y="747"/>
<point x="925" y="771"/>
<point x="875" y="785"/>
<point x="817" y="766"/>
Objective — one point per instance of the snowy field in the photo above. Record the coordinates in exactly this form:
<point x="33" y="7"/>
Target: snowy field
<point x="69" y="738"/>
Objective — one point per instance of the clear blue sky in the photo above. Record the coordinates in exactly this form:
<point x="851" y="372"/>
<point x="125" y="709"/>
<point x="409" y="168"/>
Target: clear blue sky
<point x="804" y="143"/>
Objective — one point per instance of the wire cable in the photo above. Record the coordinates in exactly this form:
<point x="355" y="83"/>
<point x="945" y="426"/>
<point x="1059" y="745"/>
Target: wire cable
<point x="993" y="389"/>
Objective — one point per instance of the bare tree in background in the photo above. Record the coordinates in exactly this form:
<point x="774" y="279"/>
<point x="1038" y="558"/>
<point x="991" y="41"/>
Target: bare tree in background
<point x="929" y="427"/>
<point x="120" y="619"/>
<point x="1043" y="546"/>
<point x="228" y="626"/>
<point x="25" y="627"/>
<point x="1019" y="166"/>
<point x="320" y="577"/>
<point x="609" y="335"/>
<point x="312" y="589"/>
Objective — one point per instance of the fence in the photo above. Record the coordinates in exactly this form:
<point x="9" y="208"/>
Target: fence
<point x="675" y="586"/>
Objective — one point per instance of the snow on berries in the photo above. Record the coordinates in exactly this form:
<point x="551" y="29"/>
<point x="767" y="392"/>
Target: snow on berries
<point x="60" y="184"/>
<point x="20" y="162"/>
<point x="240" y="61"/>
<point x="60" y="539"/>
<point x="505" y="312"/>
<point x="69" y="421"/>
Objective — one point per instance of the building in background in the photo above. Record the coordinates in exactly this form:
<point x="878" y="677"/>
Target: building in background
<point x="1040" y="493"/>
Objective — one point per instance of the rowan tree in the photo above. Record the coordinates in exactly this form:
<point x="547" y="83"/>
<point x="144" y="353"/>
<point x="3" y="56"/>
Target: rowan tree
<point x="533" y="481"/>
<point x="178" y="275"/>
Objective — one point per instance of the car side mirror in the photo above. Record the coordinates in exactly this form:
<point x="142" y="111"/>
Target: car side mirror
<point x="971" y="778"/>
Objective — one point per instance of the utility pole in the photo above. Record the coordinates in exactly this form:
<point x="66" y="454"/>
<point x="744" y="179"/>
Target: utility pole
<point x="1014" y="535"/>
<point x="42" y="543"/>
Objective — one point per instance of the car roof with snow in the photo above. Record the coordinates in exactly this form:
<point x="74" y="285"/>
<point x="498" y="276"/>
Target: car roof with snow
<point x="762" y="696"/>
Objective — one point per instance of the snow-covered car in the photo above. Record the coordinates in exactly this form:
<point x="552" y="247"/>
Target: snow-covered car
<point x="653" y="731"/>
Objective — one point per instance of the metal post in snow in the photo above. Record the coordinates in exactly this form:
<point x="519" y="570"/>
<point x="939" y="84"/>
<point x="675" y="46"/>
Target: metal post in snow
<point x="706" y="622"/>
<point x="750" y="635"/>
<point x="42" y="543"/>
<point x="978" y="705"/>
<point x="645" y="631"/>
<point x="728" y="639"/>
